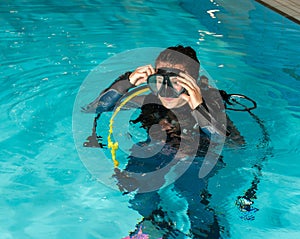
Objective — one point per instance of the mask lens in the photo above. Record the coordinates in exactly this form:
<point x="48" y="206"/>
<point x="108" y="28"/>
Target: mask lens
<point x="164" y="83"/>
<point x="155" y="82"/>
<point x="176" y="87"/>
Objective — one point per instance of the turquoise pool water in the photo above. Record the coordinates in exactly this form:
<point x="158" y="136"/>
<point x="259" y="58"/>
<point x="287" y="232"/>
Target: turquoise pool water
<point x="48" y="48"/>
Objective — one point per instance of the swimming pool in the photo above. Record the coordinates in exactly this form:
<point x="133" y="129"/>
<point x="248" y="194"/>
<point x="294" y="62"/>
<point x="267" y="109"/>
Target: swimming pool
<point x="48" y="48"/>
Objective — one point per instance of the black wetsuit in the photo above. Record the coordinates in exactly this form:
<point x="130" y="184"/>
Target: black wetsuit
<point x="182" y="128"/>
<point x="202" y="219"/>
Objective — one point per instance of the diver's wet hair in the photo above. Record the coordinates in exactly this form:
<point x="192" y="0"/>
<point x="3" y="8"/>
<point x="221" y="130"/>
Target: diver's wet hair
<point x="185" y="56"/>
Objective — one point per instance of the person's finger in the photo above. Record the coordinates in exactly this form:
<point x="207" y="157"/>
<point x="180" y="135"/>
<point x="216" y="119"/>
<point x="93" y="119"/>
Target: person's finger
<point x="194" y="97"/>
<point x="151" y="70"/>
<point x="147" y="68"/>
<point x="141" y="73"/>
<point x="142" y="78"/>
<point x="141" y="81"/>
<point x="191" y="89"/>
<point x="185" y="97"/>
<point x="188" y="79"/>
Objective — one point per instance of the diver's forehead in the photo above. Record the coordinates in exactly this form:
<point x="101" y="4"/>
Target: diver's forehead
<point x="170" y="66"/>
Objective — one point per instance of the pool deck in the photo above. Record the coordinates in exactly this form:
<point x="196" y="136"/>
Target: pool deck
<point x="288" y="8"/>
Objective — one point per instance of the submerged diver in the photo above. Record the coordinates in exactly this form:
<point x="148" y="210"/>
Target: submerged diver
<point x="187" y="112"/>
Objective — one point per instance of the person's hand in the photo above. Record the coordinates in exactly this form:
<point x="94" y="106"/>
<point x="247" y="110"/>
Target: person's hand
<point x="140" y="75"/>
<point x="194" y="96"/>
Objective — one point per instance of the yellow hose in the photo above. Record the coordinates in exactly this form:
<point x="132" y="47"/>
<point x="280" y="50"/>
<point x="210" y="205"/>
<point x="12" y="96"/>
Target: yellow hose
<point x="113" y="146"/>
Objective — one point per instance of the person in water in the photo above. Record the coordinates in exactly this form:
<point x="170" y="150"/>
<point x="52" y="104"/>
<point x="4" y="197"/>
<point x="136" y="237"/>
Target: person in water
<point x="188" y="115"/>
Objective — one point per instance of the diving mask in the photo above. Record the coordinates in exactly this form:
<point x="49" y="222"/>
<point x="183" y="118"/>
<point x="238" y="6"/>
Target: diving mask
<point x="164" y="83"/>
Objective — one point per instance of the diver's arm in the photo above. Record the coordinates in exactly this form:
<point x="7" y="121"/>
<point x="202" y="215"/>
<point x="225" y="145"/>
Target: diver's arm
<point x="206" y="122"/>
<point x="200" y="110"/>
<point x="109" y="97"/>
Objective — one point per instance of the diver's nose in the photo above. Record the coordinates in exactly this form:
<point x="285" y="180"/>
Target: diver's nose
<point x="166" y="91"/>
